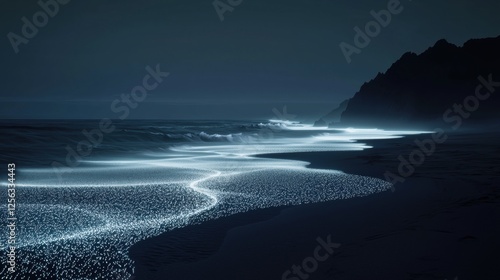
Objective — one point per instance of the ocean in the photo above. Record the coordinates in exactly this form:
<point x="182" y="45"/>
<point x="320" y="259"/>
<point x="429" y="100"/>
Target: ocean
<point x="84" y="195"/>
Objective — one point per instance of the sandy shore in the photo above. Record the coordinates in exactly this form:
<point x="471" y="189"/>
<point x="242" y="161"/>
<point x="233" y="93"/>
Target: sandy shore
<point x="441" y="223"/>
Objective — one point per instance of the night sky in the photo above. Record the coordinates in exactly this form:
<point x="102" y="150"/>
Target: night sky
<point x="265" y="54"/>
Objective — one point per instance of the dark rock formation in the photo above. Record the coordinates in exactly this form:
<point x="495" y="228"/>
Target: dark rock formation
<point x="418" y="90"/>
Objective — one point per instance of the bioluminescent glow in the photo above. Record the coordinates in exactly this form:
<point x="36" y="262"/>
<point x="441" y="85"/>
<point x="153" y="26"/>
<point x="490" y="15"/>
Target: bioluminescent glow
<point x="90" y="219"/>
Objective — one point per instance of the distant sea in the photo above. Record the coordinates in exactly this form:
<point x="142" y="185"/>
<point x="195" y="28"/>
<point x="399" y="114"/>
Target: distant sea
<point x="84" y="196"/>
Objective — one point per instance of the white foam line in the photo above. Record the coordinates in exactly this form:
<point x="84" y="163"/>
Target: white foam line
<point x="209" y="193"/>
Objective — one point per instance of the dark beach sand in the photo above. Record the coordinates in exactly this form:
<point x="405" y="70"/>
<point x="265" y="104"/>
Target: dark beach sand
<point x="441" y="223"/>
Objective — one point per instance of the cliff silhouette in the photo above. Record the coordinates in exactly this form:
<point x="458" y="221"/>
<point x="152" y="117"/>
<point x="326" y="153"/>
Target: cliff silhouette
<point x="419" y="90"/>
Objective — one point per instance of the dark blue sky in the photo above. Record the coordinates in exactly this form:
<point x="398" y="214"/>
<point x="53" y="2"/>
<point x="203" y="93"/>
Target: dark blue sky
<point x="265" y="54"/>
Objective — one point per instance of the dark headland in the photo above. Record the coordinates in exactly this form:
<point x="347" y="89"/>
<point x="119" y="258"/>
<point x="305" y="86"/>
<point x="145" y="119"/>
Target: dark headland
<point x="421" y="90"/>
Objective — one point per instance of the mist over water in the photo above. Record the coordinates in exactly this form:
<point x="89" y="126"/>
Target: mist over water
<point x="149" y="177"/>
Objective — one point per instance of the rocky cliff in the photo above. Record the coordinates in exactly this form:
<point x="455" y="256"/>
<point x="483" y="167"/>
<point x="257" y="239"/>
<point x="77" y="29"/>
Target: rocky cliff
<point x="420" y="90"/>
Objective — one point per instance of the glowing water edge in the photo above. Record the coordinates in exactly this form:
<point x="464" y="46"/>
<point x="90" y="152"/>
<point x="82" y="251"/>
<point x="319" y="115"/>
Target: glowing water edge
<point x="82" y="227"/>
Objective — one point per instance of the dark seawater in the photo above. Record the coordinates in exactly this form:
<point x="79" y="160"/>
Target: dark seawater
<point x="40" y="142"/>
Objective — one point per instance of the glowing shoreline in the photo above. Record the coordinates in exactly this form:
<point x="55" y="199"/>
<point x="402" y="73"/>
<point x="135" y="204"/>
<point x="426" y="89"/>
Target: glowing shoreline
<point x="120" y="202"/>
